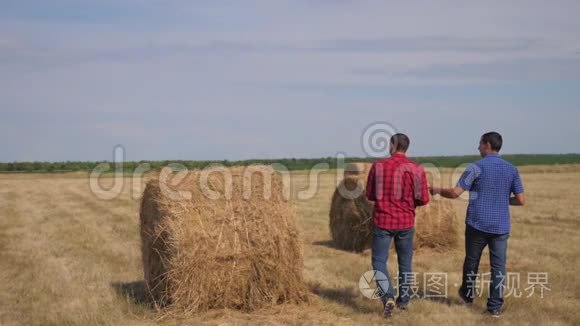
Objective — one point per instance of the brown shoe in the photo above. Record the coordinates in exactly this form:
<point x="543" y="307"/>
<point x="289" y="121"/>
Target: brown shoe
<point x="389" y="307"/>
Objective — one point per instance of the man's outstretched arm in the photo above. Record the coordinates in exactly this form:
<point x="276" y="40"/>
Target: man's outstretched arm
<point x="450" y="193"/>
<point x="465" y="182"/>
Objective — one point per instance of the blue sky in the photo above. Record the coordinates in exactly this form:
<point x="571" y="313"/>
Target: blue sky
<point x="269" y="79"/>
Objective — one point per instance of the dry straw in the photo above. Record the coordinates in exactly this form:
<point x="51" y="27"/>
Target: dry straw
<point x="351" y="216"/>
<point x="238" y="251"/>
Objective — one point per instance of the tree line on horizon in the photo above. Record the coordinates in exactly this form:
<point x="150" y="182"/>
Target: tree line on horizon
<point x="289" y="163"/>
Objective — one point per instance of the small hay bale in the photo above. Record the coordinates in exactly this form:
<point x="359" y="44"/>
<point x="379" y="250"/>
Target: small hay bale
<point x="236" y="251"/>
<point x="356" y="169"/>
<point x="351" y="215"/>
<point x="351" y="220"/>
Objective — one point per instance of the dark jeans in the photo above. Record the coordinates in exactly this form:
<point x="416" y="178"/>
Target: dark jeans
<point x="380" y="254"/>
<point x="475" y="242"/>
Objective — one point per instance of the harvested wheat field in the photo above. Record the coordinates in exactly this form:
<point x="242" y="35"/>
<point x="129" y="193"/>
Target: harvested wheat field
<point x="69" y="258"/>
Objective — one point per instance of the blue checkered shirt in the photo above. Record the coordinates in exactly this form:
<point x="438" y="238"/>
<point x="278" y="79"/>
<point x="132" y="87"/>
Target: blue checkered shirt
<point x="490" y="182"/>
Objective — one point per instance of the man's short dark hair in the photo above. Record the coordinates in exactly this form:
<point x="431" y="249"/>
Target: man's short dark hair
<point x="400" y="142"/>
<point x="494" y="139"/>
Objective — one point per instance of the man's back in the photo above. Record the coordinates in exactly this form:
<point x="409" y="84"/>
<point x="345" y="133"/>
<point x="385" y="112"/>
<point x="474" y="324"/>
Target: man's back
<point x="397" y="185"/>
<point x="490" y="181"/>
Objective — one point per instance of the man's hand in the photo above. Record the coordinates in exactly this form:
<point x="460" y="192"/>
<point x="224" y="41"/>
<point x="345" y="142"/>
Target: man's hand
<point x="434" y="190"/>
<point x="518" y="200"/>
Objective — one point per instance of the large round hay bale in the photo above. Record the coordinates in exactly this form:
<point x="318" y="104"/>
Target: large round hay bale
<point x="207" y="243"/>
<point x="351" y="215"/>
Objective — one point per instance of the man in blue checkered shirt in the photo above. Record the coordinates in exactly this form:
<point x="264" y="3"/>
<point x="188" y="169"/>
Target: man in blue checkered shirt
<point x="491" y="182"/>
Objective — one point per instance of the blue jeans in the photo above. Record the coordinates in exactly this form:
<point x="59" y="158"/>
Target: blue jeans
<point x="380" y="254"/>
<point x="475" y="242"/>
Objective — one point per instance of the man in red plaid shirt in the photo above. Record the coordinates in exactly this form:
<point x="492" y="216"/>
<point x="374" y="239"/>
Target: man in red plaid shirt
<point x="396" y="185"/>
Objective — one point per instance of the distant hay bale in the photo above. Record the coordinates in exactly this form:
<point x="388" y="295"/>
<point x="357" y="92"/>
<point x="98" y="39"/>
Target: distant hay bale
<point x="351" y="215"/>
<point x="356" y="169"/>
<point x="241" y="250"/>
<point x="351" y="221"/>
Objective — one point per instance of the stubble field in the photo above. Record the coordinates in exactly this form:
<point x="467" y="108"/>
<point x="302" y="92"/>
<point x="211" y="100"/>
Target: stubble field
<point x="70" y="258"/>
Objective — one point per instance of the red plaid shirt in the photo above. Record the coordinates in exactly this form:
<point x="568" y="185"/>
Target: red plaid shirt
<point x="397" y="185"/>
